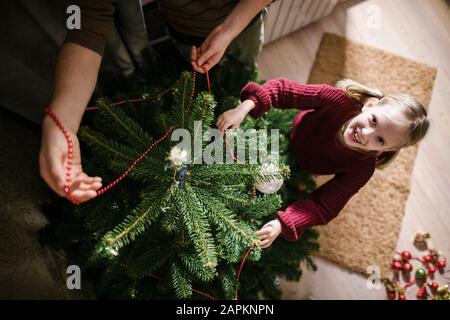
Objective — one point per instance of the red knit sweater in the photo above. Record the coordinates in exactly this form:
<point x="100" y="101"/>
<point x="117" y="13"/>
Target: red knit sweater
<point x="316" y="147"/>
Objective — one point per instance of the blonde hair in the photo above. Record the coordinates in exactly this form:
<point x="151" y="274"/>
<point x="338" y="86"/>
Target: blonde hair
<point x="413" y="110"/>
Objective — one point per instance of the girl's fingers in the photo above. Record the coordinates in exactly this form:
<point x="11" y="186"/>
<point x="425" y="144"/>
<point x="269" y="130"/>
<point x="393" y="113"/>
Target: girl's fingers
<point x="264" y="237"/>
<point x="225" y="125"/>
<point x="264" y="243"/>
<point x="261" y="232"/>
<point x="219" y="118"/>
<point x="219" y="122"/>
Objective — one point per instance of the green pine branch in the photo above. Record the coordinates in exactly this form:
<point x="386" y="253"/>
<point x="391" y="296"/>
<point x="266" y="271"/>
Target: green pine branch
<point x="106" y="148"/>
<point x="137" y="221"/>
<point x="123" y="127"/>
<point x="197" y="226"/>
<point x="180" y="282"/>
<point x="194" y="266"/>
<point x="232" y="232"/>
<point x="182" y="95"/>
<point x="202" y="110"/>
<point x="262" y="206"/>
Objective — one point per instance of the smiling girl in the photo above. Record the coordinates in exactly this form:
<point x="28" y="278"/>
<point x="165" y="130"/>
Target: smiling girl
<point x="347" y="130"/>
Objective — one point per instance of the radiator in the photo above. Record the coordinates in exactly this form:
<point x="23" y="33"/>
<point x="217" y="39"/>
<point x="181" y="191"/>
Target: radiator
<point x="286" y="16"/>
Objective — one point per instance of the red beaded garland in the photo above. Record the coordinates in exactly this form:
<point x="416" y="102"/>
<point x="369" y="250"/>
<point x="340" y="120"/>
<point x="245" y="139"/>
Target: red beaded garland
<point x="432" y="269"/>
<point x="407" y="267"/>
<point x="392" y="295"/>
<point x="70" y="157"/>
<point x="422" y="293"/>
<point x="433" y="285"/>
<point x="406" y="255"/>
<point x="396" y="265"/>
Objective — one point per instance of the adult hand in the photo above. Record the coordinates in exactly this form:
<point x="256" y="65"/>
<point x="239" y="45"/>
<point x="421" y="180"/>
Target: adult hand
<point x="211" y="50"/>
<point x="268" y="233"/>
<point x="53" y="160"/>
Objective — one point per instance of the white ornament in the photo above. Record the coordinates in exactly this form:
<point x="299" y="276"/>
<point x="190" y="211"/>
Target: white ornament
<point x="112" y="251"/>
<point x="277" y="281"/>
<point x="397" y="257"/>
<point x="178" y="156"/>
<point x="269" y="186"/>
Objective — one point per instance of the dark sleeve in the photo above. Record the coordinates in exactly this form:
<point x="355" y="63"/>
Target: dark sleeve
<point x="97" y="18"/>
<point x="323" y="204"/>
<point x="286" y="94"/>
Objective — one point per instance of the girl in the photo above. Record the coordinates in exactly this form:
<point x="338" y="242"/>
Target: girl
<point x="347" y="130"/>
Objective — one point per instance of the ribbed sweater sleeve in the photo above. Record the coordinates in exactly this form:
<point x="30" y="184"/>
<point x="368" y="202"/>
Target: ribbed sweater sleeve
<point x="97" y="19"/>
<point x="283" y="94"/>
<point x="324" y="203"/>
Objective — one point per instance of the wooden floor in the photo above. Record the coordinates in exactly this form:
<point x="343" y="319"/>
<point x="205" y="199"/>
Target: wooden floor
<point x="415" y="29"/>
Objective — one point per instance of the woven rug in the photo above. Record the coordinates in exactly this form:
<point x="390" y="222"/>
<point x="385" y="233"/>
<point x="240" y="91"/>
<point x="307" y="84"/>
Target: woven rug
<point x="366" y="231"/>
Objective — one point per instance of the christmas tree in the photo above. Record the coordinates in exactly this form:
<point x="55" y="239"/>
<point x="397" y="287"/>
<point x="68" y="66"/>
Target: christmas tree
<point x="173" y="228"/>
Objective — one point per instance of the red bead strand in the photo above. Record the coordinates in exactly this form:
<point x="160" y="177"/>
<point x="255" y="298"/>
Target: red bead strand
<point x="112" y="184"/>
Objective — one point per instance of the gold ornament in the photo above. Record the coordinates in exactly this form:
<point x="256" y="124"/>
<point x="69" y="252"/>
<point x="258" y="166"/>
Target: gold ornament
<point x="421" y="238"/>
<point x="442" y="293"/>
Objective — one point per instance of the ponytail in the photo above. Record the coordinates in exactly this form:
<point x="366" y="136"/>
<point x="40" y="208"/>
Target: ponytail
<point x="385" y="158"/>
<point x="358" y="91"/>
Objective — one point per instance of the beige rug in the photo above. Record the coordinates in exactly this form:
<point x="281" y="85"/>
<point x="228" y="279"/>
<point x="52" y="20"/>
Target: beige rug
<point x="366" y="231"/>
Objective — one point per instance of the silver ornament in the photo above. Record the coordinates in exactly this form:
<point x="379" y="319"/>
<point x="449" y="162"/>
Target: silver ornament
<point x="271" y="185"/>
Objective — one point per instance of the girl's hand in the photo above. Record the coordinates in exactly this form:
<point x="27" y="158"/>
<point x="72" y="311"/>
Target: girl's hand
<point x="53" y="158"/>
<point x="234" y="117"/>
<point x="268" y="233"/>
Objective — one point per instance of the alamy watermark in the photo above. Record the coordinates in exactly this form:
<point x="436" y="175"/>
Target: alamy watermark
<point x="73" y="22"/>
<point x="74" y="278"/>
<point x="374" y="280"/>
<point x="210" y="147"/>
<point x="373" y="13"/>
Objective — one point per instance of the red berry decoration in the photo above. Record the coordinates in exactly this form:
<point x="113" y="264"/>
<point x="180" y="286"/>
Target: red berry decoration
<point x="422" y="293"/>
<point x="396" y="265"/>
<point x="407" y="267"/>
<point x="431" y="262"/>
<point x="392" y="295"/>
<point x="433" y="285"/>
<point x="432" y="269"/>
<point x="406" y="255"/>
